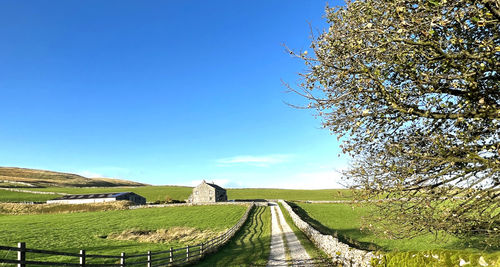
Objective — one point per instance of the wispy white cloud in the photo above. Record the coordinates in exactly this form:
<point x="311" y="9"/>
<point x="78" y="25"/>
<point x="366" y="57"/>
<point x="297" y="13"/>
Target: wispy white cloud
<point x="260" y="161"/>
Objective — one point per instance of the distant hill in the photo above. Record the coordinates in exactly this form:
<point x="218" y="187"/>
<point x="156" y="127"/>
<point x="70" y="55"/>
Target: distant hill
<point x="21" y="177"/>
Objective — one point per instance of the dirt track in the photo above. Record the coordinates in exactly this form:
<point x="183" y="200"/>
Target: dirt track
<point x="278" y="256"/>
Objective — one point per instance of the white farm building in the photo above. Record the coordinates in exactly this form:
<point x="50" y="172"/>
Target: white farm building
<point x="99" y="198"/>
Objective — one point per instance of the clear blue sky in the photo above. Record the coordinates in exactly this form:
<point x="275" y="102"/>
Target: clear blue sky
<point x="162" y="92"/>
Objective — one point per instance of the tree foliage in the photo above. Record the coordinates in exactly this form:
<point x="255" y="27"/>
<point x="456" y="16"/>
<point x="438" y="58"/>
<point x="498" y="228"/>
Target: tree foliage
<point x="413" y="87"/>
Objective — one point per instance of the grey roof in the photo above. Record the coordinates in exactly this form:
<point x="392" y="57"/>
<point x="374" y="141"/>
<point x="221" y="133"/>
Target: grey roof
<point x="216" y="186"/>
<point x="93" y="196"/>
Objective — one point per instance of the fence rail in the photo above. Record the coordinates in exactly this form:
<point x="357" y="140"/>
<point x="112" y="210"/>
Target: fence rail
<point x="171" y="257"/>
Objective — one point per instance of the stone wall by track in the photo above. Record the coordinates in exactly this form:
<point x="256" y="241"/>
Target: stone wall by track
<point x="341" y="253"/>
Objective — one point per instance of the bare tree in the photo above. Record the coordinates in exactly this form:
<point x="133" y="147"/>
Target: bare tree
<point x="413" y="87"/>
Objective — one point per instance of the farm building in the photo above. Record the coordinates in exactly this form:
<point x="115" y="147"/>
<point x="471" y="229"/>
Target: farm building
<point x="97" y="198"/>
<point x="206" y="192"/>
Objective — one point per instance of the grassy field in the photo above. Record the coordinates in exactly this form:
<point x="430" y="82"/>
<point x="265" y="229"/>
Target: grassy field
<point x="289" y="194"/>
<point x="74" y="231"/>
<point x="249" y="247"/>
<point x="10" y="196"/>
<point x="344" y="220"/>
<point x="153" y="193"/>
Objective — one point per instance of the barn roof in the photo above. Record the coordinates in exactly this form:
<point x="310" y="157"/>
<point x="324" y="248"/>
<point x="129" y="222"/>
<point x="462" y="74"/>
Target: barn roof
<point x="93" y="196"/>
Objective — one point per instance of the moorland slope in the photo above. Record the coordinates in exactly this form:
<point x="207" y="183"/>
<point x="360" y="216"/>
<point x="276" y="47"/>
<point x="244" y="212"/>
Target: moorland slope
<point x="22" y="177"/>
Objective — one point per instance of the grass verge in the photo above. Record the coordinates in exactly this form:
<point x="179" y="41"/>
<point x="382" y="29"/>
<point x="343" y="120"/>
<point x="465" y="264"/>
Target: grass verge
<point x="249" y="247"/>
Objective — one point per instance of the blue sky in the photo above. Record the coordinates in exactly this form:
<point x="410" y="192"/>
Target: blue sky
<point x="162" y="92"/>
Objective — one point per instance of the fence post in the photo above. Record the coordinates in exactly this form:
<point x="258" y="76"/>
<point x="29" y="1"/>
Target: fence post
<point x="187" y="253"/>
<point x="171" y="254"/>
<point x="149" y="259"/>
<point x="82" y="257"/>
<point x="21" y="254"/>
<point x="201" y="250"/>
<point x="122" y="259"/>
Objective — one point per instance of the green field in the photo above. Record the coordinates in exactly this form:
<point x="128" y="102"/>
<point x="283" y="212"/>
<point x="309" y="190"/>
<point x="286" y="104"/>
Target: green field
<point x="154" y="193"/>
<point x="151" y="193"/>
<point x="346" y="221"/>
<point x="289" y="194"/>
<point x="74" y="231"/>
<point x="249" y="247"/>
<point x="11" y="196"/>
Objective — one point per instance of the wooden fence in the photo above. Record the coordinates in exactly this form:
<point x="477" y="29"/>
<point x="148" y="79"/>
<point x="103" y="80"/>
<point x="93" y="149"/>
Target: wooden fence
<point x="171" y="257"/>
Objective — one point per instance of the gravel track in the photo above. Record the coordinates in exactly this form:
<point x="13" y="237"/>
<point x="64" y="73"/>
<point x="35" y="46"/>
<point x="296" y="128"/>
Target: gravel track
<point x="280" y="228"/>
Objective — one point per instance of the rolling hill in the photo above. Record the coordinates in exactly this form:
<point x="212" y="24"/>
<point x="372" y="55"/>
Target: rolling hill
<point x="22" y="177"/>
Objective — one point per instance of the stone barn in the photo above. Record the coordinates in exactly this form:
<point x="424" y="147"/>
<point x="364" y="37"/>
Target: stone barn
<point x="99" y="198"/>
<point x="206" y="192"/>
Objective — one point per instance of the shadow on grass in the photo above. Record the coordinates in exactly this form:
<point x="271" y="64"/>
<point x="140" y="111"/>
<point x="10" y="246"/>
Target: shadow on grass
<point x="318" y="257"/>
<point x="249" y="246"/>
<point x="342" y="235"/>
<point x="475" y="242"/>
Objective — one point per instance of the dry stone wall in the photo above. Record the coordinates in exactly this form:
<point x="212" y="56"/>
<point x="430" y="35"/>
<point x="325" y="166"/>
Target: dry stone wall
<point x="341" y="253"/>
<point x="32" y="192"/>
<point x="194" y="204"/>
